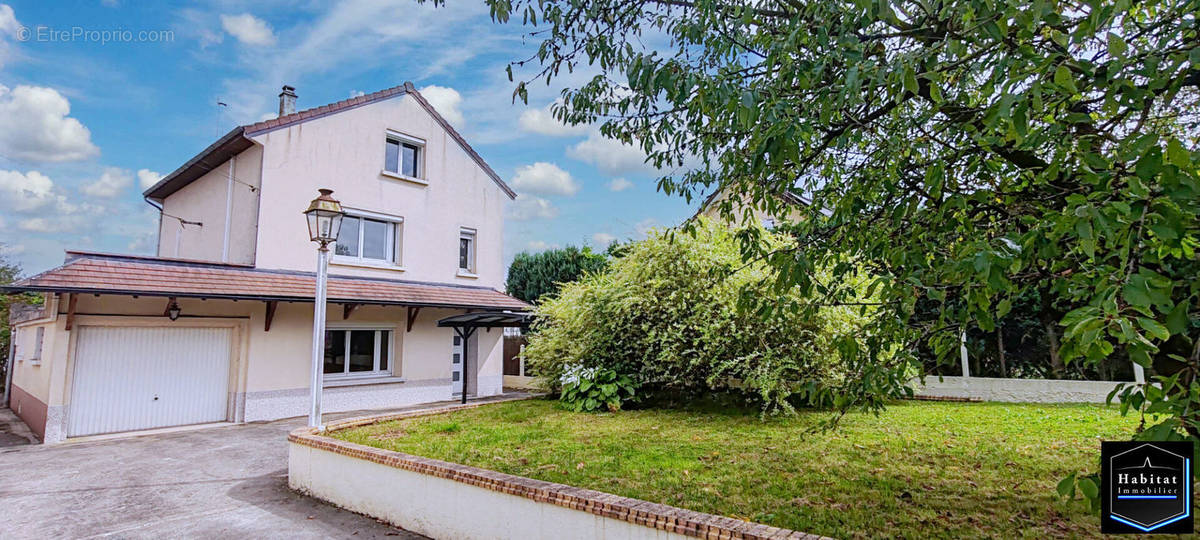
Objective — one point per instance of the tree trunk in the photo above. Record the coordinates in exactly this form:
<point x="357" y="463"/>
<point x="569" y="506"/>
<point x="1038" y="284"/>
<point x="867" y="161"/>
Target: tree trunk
<point x="1056" y="364"/>
<point x="1000" y="346"/>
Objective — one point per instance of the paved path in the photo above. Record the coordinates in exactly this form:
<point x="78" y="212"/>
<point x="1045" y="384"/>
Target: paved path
<point x="14" y="432"/>
<point x="220" y="482"/>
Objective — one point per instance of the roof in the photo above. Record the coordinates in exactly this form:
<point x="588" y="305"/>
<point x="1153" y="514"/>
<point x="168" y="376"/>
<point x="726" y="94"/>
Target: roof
<point x="238" y="139"/>
<point x="790" y="197"/>
<point x="100" y="273"/>
<point x="487" y="319"/>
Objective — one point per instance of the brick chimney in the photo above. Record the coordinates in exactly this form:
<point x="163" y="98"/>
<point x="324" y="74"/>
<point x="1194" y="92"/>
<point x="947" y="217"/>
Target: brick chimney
<point x="287" y="100"/>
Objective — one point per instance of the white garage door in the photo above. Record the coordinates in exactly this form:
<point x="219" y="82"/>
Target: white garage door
<point x="139" y="378"/>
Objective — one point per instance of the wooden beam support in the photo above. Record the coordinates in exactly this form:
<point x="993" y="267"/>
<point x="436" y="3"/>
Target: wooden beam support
<point x="412" y="317"/>
<point x="71" y="312"/>
<point x="347" y="310"/>
<point x="270" y="315"/>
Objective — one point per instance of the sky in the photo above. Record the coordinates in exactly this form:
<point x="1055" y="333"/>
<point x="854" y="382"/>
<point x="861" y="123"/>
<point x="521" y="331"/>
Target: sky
<point x="99" y="99"/>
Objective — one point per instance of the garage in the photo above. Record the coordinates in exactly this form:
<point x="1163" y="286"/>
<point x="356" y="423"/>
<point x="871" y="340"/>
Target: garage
<point x="132" y="378"/>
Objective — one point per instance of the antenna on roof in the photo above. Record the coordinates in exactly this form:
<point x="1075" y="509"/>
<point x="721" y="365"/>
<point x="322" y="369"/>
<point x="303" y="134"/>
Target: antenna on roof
<point x="217" y="125"/>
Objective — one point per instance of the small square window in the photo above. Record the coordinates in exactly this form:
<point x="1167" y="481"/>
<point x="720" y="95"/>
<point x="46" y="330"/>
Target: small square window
<point x="404" y="157"/>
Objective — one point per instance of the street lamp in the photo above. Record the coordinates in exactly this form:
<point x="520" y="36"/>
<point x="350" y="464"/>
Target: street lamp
<point x="324" y="223"/>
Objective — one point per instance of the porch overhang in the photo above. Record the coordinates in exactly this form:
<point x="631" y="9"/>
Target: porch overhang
<point x="124" y="275"/>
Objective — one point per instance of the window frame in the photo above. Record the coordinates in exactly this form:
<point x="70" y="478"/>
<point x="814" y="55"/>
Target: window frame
<point x="472" y="251"/>
<point x="395" y="241"/>
<point x="376" y="373"/>
<point x="39" y="335"/>
<point x="402" y="139"/>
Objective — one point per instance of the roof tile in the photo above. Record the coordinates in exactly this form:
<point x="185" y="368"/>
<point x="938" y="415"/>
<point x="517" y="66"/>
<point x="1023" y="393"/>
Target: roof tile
<point x="114" y="274"/>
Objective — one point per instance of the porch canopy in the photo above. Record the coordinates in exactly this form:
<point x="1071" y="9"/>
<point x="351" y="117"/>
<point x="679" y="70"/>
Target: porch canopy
<point x="126" y="275"/>
<point x="465" y="325"/>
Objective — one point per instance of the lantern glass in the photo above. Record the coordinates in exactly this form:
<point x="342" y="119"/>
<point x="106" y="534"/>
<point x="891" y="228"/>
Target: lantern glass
<point x="324" y="218"/>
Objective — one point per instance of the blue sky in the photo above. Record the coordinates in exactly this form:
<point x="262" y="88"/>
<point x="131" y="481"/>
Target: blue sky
<point x="85" y="124"/>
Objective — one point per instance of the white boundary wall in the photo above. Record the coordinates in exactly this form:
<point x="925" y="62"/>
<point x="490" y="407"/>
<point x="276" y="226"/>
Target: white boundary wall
<point x="443" y="508"/>
<point x="1017" y="390"/>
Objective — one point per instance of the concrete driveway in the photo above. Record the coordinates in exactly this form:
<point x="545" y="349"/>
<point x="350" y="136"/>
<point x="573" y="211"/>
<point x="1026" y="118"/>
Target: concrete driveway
<point x="228" y="481"/>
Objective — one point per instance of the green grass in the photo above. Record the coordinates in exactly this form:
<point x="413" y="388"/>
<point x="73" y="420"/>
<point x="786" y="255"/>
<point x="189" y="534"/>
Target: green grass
<point x="919" y="470"/>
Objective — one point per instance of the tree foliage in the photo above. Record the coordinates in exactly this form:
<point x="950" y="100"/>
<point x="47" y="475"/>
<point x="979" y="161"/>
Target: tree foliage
<point x="672" y="315"/>
<point x="9" y="272"/>
<point x="532" y="276"/>
<point x="966" y="150"/>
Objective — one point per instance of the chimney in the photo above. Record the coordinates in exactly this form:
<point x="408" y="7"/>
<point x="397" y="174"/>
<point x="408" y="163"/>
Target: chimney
<point x="287" y="100"/>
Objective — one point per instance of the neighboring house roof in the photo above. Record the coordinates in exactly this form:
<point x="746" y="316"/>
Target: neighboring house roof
<point x="238" y="140"/>
<point x="100" y="273"/>
<point x="790" y="197"/>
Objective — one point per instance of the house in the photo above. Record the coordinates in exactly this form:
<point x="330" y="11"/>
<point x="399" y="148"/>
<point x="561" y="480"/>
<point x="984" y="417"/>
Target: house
<point x="793" y="204"/>
<point x="217" y="327"/>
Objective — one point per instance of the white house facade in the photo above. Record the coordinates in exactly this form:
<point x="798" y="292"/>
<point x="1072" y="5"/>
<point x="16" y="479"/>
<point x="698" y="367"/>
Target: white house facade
<point x="217" y="327"/>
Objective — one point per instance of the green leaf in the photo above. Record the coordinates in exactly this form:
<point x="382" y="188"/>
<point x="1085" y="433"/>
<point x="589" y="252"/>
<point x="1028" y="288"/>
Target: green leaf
<point x="1177" y="155"/>
<point x="1089" y="488"/>
<point x="1116" y="45"/>
<point x="910" y="79"/>
<point x="1177" y="320"/>
<point x="1153" y="328"/>
<point x="1066" y="486"/>
<point x="1063" y="78"/>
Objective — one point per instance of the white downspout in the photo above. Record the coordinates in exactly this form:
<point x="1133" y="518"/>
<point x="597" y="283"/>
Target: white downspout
<point x="178" y="234"/>
<point x="228" y="211"/>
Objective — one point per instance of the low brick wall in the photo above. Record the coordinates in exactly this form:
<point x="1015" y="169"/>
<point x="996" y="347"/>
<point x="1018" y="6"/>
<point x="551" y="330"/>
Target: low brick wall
<point x="448" y="500"/>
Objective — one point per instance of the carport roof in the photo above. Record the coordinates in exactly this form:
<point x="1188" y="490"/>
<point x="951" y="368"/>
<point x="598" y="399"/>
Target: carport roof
<point x="99" y="273"/>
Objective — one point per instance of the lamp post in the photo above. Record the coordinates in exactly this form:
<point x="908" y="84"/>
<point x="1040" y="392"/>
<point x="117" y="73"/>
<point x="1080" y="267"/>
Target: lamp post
<point x="324" y="223"/>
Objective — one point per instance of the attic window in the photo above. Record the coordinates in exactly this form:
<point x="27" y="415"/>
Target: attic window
<point x="404" y="156"/>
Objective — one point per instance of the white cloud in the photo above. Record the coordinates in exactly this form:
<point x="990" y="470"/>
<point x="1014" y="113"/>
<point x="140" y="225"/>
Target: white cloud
<point x="528" y="207"/>
<point x="446" y="101"/>
<point x="11" y="250"/>
<point x="644" y="226"/>
<point x="43" y="225"/>
<point x="147" y="178"/>
<point x="539" y="245"/>
<point x="8" y="30"/>
<point x="603" y="239"/>
<point x="27" y="192"/>
<point x="545" y="179"/>
<point x="619" y="184"/>
<point x="110" y="183"/>
<point x="143" y="243"/>
<point x="543" y="122"/>
<point x="248" y="29"/>
<point x="610" y="155"/>
<point x="34" y="126"/>
<point x="338" y="38"/>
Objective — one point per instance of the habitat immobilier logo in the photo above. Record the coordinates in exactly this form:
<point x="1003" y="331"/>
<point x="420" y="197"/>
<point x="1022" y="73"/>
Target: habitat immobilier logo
<point x="1146" y="487"/>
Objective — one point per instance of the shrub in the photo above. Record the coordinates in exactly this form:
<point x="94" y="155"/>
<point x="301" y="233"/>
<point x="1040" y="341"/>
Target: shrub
<point x="534" y="275"/>
<point x="594" y="389"/>
<point x="672" y="314"/>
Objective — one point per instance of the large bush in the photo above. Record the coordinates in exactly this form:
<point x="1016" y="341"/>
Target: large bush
<point x="673" y="315"/>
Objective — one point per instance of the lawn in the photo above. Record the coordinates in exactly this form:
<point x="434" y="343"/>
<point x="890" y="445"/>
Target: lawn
<point x="921" y="469"/>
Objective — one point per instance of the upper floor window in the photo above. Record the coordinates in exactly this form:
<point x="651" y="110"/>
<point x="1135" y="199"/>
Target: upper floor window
<point x="404" y="156"/>
<point x="370" y="238"/>
<point x="466" y="251"/>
